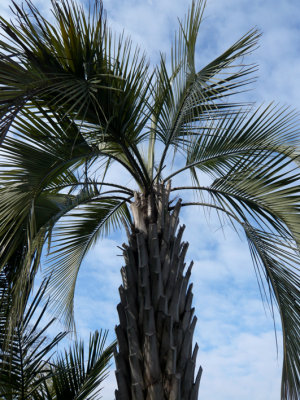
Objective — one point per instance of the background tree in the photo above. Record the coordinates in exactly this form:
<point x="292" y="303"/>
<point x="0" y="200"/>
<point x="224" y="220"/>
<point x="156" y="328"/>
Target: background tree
<point x="76" y="99"/>
<point x="75" y="376"/>
<point x="24" y="356"/>
<point x="28" y="370"/>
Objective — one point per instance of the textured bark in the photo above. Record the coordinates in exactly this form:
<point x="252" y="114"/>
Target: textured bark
<point x="155" y="359"/>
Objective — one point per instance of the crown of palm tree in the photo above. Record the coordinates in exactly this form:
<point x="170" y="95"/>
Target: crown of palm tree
<point x="77" y="98"/>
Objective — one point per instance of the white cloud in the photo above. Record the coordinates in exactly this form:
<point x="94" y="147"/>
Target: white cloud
<point x="245" y="368"/>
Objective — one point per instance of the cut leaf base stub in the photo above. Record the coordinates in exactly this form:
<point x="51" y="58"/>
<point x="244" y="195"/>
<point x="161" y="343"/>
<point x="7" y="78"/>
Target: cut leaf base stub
<point x="155" y="358"/>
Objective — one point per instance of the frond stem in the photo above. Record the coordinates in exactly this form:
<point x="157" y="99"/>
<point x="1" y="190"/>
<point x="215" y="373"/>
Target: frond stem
<point x="60" y="165"/>
<point x="141" y="179"/>
<point x="270" y="275"/>
<point x="211" y="206"/>
<point x="123" y="188"/>
<point x="194" y="164"/>
<point x="146" y="174"/>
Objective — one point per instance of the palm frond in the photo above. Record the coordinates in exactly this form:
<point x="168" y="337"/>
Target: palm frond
<point x="22" y="247"/>
<point x="125" y="110"/>
<point x="75" y="377"/>
<point x="219" y="147"/>
<point x="195" y="98"/>
<point x="44" y="159"/>
<point x="61" y="65"/>
<point x="267" y="188"/>
<point x="279" y="263"/>
<point x="263" y="188"/>
<point x="24" y="351"/>
<point x="75" y="234"/>
<point x="261" y="193"/>
<point x="276" y="260"/>
<point x="27" y="367"/>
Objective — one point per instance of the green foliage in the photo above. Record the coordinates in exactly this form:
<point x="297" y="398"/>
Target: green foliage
<point x="75" y="377"/>
<point x="24" y="349"/>
<point x="28" y="370"/>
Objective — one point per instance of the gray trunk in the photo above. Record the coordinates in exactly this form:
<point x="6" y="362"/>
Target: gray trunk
<point x="155" y="359"/>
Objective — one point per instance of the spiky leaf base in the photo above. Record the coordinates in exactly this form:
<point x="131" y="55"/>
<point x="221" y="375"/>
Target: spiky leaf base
<point x="155" y="360"/>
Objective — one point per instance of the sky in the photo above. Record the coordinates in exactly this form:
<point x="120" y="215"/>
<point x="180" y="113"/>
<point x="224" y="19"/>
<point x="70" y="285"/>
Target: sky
<point x="234" y="331"/>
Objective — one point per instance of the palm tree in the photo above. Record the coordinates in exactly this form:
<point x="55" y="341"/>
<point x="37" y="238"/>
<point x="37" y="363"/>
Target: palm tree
<point x="25" y="355"/>
<point x="75" y="100"/>
<point x="72" y="376"/>
<point x="28" y="370"/>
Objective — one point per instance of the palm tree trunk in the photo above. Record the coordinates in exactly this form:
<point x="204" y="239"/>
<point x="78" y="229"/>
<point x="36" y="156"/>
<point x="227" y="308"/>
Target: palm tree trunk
<point x="155" y="359"/>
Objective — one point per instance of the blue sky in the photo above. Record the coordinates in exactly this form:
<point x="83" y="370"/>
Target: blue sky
<point x="234" y="333"/>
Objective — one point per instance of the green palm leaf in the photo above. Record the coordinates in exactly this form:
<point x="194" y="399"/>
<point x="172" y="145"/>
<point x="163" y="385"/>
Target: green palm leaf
<point x="74" y="377"/>
<point x="24" y="351"/>
<point x="193" y="98"/>
<point x="279" y="262"/>
<point x="262" y="194"/>
<point x="60" y="65"/>
<point x="220" y="146"/>
<point x="73" y="237"/>
<point x="33" y="173"/>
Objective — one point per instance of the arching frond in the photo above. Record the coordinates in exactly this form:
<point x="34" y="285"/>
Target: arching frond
<point x="73" y="237"/>
<point x="220" y="146"/>
<point x="78" y="68"/>
<point x="26" y="165"/>
<point x="276" y="261"/>
<point x="42" y="179"/>
<point x="267" y="188"/>
<point x="261" y="193"/>
<point x="74" y="376"/>
<point x="279" y="262"/>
